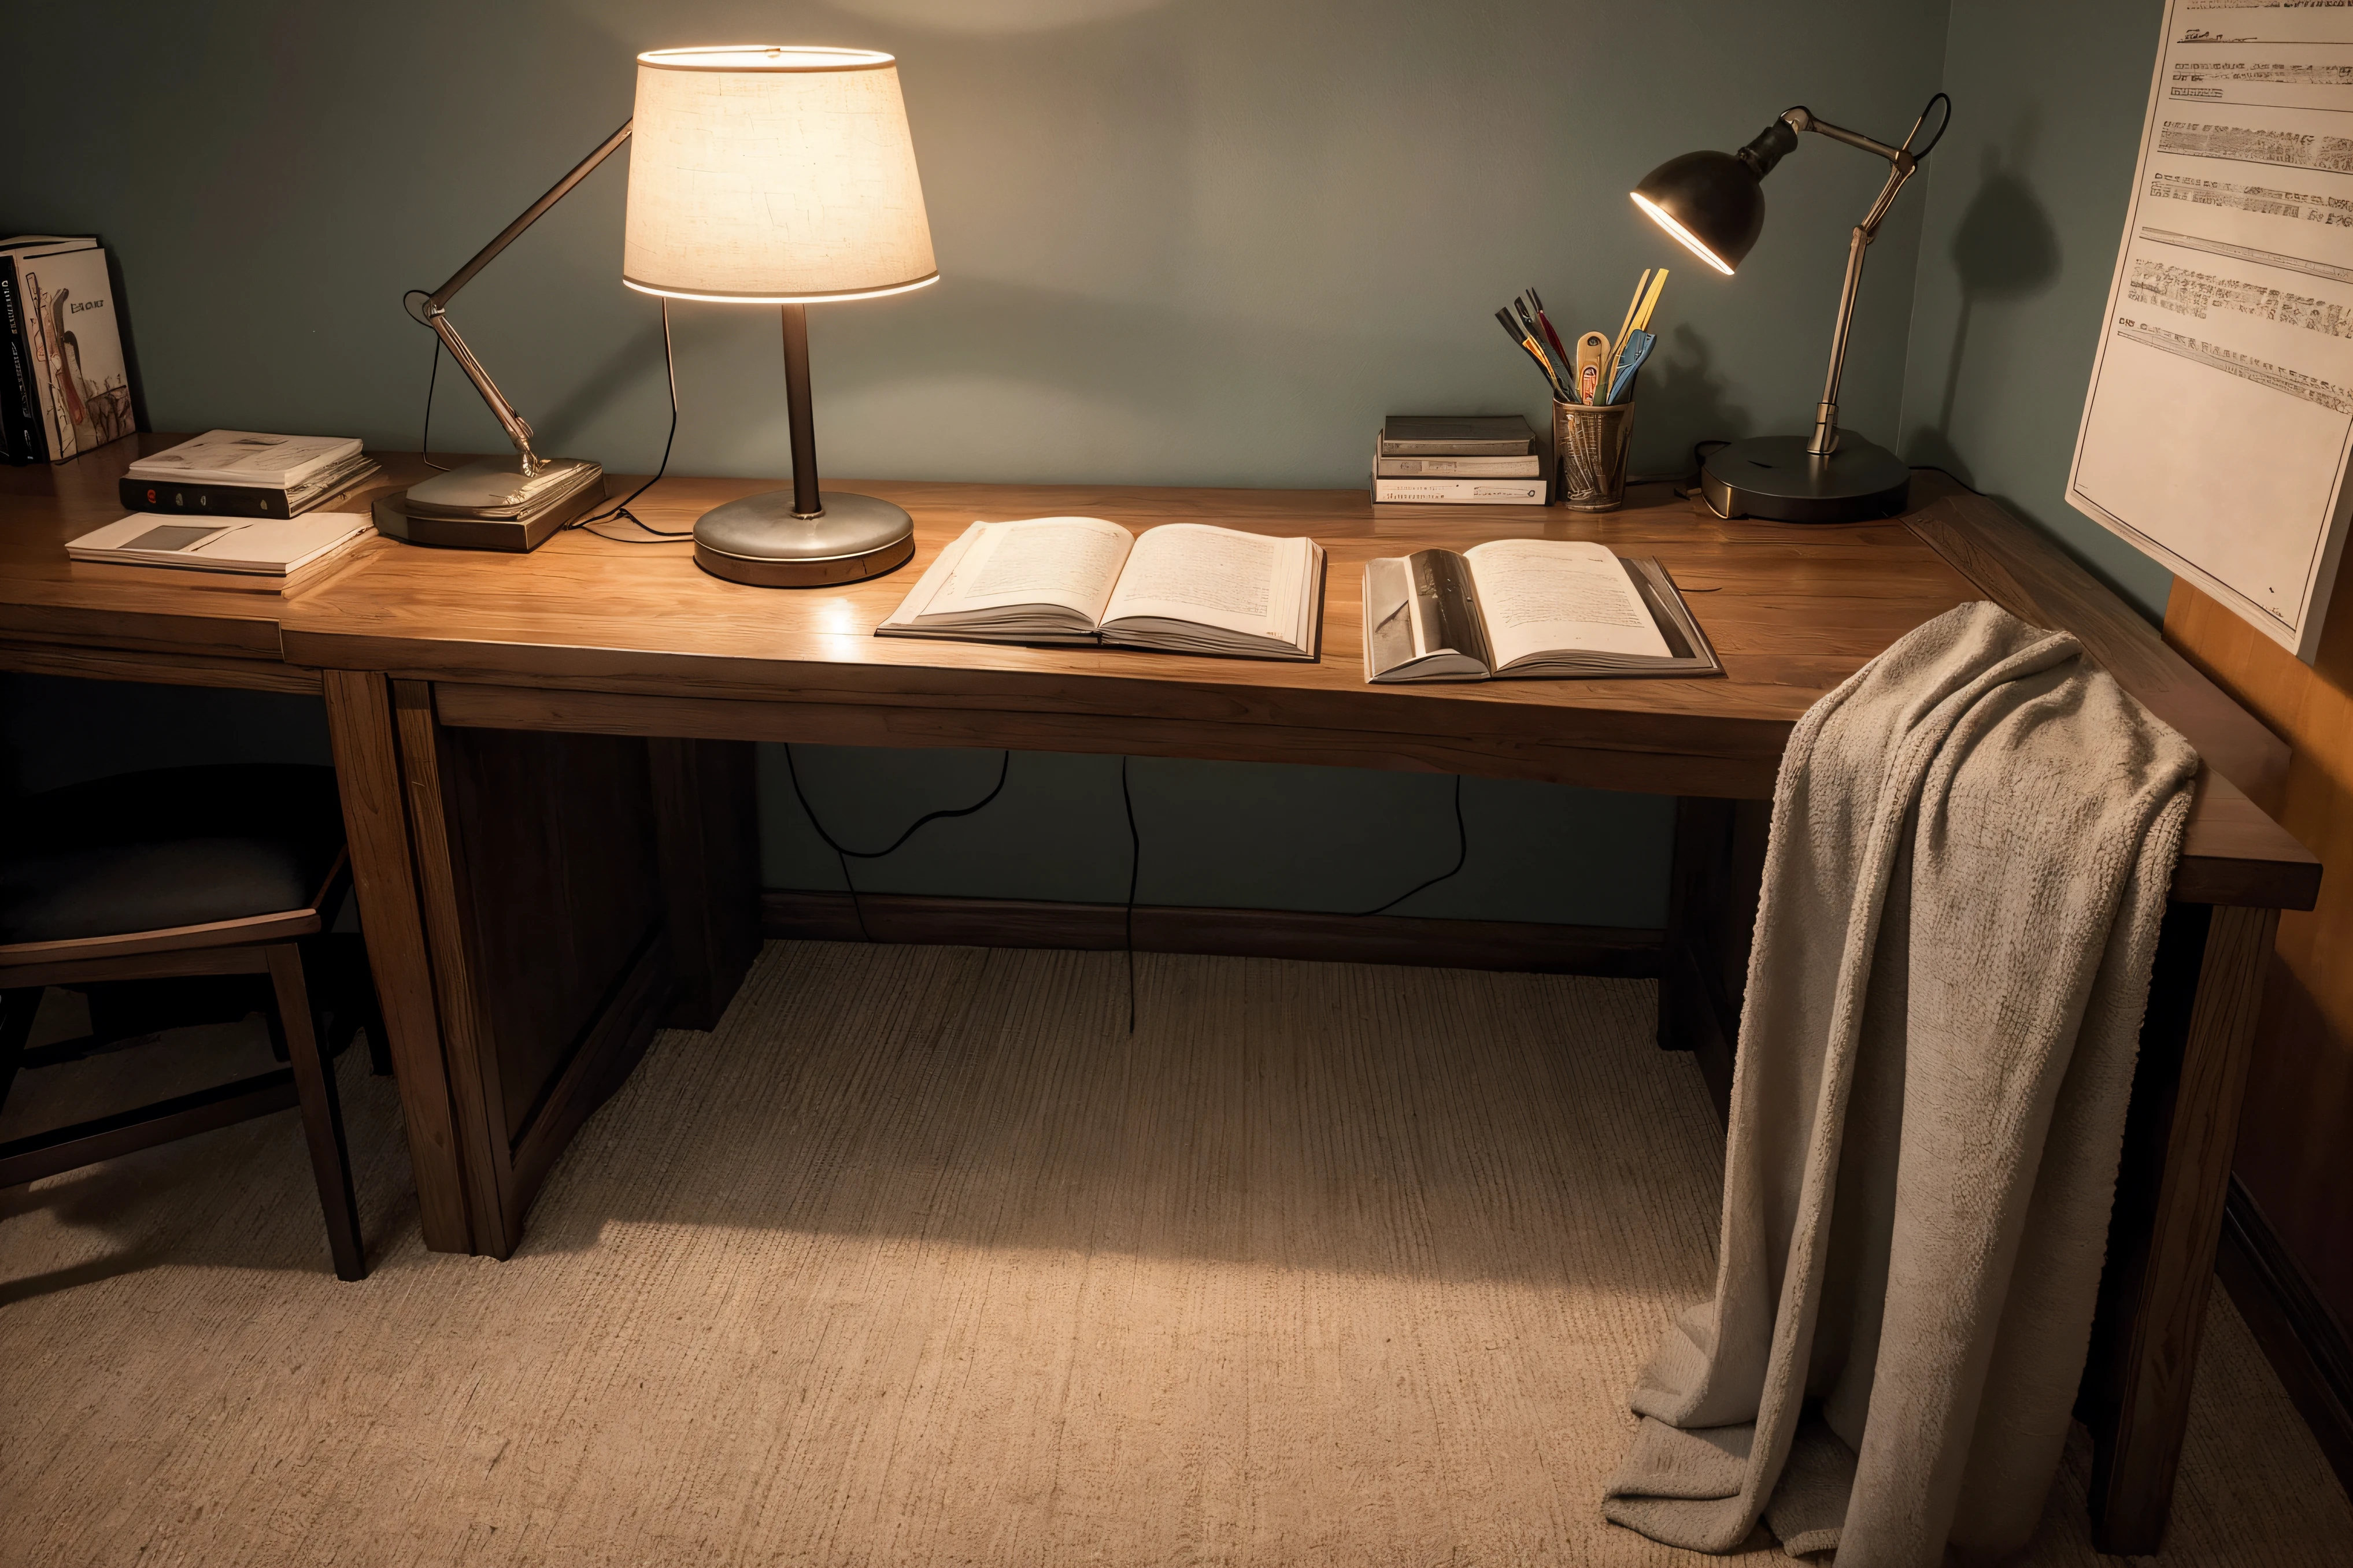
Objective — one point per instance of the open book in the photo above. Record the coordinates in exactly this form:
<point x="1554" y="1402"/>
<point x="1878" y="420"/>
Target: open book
<point x="1183" y="588"/>
<point x="1526" y="607"/>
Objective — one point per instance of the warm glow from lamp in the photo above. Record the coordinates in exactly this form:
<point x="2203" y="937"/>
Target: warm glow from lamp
<point x="773" y="175"/>
<point x="1691" y="242"/>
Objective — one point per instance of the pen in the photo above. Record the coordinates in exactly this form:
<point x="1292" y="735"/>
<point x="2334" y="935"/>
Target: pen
<point x="1545" y="321"/>
<point x="1529" y="347"/>
<point x="1528" y="325"/>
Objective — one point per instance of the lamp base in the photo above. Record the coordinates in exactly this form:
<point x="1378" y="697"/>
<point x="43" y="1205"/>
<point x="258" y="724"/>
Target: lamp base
<point x="758" y="540"/>
<point x="490" y="505"/>
<point x="1775" y="478"/>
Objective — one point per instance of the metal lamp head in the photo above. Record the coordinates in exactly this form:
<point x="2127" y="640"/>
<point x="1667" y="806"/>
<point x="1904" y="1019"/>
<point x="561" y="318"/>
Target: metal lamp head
<point x="1713" y="203"/>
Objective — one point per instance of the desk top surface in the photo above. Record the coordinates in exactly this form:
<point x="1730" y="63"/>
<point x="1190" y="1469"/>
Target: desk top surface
<point x="1791" y="610"/>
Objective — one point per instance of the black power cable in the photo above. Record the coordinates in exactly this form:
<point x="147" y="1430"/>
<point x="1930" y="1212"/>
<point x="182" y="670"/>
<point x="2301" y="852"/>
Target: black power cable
<point x="845" y="855"/>
<point x="670" y="367"/>
<point x="1461" y="854"/>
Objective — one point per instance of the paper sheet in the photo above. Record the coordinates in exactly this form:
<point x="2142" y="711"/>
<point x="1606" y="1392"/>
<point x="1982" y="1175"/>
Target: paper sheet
<point x="2219" y="423"/>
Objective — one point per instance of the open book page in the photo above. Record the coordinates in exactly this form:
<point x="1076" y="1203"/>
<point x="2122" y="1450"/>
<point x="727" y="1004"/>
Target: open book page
<point x="1543" y="595"/>
<point x="1067" y="562"/>
<point x="1245" y="583"/>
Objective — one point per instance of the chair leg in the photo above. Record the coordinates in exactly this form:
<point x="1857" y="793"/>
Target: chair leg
<point x="322" y="1116"/>
<point x="18" y="1008"/>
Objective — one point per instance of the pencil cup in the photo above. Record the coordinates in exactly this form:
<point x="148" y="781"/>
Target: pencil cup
<point x="1590" y="442"/>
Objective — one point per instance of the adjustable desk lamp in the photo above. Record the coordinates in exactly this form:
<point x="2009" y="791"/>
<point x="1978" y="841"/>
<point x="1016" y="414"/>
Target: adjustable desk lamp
<point x="762" y="175"/>
<point x="1713" y="203"/>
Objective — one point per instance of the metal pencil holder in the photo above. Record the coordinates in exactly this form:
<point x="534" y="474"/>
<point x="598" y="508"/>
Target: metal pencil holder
<point x="1589" y="443"/>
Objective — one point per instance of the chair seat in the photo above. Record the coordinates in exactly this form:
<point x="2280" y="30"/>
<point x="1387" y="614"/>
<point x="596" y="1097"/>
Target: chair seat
<point x="172" y="847"/>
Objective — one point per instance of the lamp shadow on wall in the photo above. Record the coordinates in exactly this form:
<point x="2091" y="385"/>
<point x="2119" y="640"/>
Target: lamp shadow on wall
<point x="1686" y="401"/>
<point x="2004" y="248"/>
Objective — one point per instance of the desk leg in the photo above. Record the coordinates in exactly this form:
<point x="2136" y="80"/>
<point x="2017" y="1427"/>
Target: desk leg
<point x="2203" y="1002"/>
<point x="1719" y="866"/>
<point x="375" y="825"/>
<point x="706" y="820"/>
<point x="545" y="915"/>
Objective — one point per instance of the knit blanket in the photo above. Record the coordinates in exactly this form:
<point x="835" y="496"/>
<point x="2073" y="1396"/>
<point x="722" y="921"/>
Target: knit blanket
<point x="1971" y="844"/>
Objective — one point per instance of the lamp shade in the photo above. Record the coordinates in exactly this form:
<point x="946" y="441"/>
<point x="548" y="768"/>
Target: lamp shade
<point x="773" y="175"/>
<point x="1712" y="202"/>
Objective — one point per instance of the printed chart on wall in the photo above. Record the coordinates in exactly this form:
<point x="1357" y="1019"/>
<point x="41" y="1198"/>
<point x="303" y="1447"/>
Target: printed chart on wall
<point x="2218" y="425"/>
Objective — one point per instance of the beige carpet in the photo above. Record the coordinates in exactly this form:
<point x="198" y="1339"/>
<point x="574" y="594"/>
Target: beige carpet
<point x="922" y="1260"/>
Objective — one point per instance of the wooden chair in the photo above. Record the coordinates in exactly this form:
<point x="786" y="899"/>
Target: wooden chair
<point x="173" y="873"/>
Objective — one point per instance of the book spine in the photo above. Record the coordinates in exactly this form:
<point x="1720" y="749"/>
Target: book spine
<point x="176" y="499"/>
<point x="1526" y="467"/>
<point x="20" y="414"/>
<point x="1462" y="492"/>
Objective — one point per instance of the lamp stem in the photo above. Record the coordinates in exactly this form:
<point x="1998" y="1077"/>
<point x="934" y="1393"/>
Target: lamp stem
<point x="797" y="410"/>
<point x="1825" y="439"/>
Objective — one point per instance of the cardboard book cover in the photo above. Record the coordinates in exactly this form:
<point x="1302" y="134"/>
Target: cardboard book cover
<point x="77" y="350"/>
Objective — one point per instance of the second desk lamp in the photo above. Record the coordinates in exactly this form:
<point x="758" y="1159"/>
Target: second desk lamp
<point x="762" y="175"/>
<point x="1713" y="203"/>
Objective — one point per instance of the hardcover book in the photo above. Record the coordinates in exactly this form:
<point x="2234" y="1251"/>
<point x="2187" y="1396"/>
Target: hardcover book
<point x="66" y="309"/>
<point x="1182" y="587"/>
<point x="1531" y="608"/>
<point x="1456" y="435"/>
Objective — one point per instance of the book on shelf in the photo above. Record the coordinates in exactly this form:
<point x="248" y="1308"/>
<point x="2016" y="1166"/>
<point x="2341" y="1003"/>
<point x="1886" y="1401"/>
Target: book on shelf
<point x="245" y="473"/>
<point x="20" y="400"/>
<point x="63" y="320"/>
<point x="1527" y="608"/>
<point x="1182" y="587"/>
<point x="266" y="554"/>
<point x="1457" y="436"/>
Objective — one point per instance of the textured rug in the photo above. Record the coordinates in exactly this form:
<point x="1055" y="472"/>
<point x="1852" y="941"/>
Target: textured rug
<point x="922" y="1259"/>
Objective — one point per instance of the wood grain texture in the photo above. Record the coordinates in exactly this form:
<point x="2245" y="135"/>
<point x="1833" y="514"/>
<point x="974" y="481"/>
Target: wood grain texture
<point x="46" y="597"/>
<point x="369" y="777"/>
<point x="2299" y="1106"/>
<point x="1509" y="946"/>
<point x="241" y="932"/>
<point x="84" y="662"/>
<point x="2170" y="1191"/>
<point x="469" y="1050"/>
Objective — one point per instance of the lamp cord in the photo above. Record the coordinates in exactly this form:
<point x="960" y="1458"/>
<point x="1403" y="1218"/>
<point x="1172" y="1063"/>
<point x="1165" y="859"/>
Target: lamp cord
<point x="1920" y="152"/>
<point x="669" y="369"/>
<point x="1461" y="856"/>
<point x="845" y="855"/>
<point x="425" y="441"/>
<point x="660" y="536"/>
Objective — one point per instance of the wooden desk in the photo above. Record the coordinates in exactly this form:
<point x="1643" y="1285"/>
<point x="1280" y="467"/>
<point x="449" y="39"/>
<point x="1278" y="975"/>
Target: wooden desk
<point x="546" y="762"/>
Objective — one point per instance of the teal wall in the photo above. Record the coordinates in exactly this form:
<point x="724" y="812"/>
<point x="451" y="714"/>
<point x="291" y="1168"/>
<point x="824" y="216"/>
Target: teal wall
<point x="1196" y="241"/>
<point x="2026" y="204"/>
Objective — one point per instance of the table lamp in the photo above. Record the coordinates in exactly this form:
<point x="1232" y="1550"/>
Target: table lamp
<point x="1713" y="203"/>
<point x="786" y="177"/>
<point x="762" y="175"/>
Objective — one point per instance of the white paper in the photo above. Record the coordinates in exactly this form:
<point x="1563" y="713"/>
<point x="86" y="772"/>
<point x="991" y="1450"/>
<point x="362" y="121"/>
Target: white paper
<point x="1539" y="595"/>
<point x="2219" y="423"/>
<point x="1213" y="577"/>
<point x="1068" y="562"/>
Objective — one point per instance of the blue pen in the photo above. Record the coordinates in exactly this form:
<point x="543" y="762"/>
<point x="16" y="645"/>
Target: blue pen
<point x="1638" y="349"/>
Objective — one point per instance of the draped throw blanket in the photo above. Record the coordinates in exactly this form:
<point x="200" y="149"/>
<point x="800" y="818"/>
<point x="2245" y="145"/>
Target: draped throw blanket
<point x="1971" y="844"/>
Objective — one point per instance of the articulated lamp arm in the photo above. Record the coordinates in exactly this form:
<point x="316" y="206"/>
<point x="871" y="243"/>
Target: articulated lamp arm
<point x="437" y="303"/>
<point x="1778" y="140"/>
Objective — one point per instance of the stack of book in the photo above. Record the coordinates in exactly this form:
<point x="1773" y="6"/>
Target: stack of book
<point x="64" y="387"/>
<point x="1485" y="459"/>
<point x="244" y="473"/>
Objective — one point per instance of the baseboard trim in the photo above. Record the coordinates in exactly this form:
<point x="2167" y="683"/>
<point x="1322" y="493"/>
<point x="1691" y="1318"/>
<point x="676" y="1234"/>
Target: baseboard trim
<point x="2302" y="1339"/>
<point x="1526" y="947"/>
